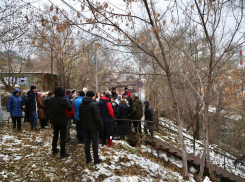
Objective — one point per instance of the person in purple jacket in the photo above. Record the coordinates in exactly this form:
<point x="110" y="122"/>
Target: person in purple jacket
<point x="14" y="106"/>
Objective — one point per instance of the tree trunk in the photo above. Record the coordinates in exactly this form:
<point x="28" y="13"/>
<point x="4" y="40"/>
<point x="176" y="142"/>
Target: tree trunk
<point x="52" y="72"/>
<point x="206" y="129"/>
<point x="197" y="128"/>
<point x="180" y="129"/>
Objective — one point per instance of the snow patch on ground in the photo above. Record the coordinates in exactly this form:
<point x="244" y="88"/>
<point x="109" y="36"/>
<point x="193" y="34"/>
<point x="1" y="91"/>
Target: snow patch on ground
<point x="206" y="179"/>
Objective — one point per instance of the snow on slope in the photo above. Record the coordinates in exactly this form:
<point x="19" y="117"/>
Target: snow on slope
<point x="216" y="158"/>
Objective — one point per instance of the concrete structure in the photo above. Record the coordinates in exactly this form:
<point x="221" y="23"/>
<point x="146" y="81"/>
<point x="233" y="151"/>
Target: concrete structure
<point x="43" y="81"/>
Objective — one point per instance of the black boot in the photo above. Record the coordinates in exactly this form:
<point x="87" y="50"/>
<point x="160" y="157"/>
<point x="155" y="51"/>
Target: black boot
<point x="55" y="151"/>
<point x="64" y="155"/>
<point x="97" y="161"/>
<point x="88" y="161"/>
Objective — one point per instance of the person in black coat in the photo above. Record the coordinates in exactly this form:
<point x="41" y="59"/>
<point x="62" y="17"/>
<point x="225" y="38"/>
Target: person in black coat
<point x="92" y="123"/>
<point x="123" y="113"/>
<point x="58" y="104"/>
<point x="114" y="105"/>
<point x="114" y="93"/>
<point x="148" y="117"/>
<point x="24" y="94"/>
<point x="31" y="106"/>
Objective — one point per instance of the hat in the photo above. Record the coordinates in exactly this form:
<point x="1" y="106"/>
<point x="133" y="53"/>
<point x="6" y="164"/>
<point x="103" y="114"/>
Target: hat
<point x="90" y="94"/>
<point x="50" y="93"/>
<point x="39" y="93"/>
<point x="136" y="96"/>
<point x="33" y="87"/>
<point x="126" y="88"/>
<point x="85" y="89"/>
<point x="73" y="91"/>
<point x="82" y="93"/>
<point x="59" y="91"/>
<point x="114" y="88"/>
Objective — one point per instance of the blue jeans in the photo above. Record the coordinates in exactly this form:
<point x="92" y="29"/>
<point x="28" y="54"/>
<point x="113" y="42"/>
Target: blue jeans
<point x="33" y="119"/>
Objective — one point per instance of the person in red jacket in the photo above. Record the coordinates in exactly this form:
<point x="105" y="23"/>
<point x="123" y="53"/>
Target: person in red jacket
<point x="69" y="114"/>
<point x="126" y="94"/>
<point x="107" y="116"/>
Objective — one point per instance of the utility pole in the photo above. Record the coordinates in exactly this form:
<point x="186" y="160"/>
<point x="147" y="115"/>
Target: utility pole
<point x="140" y="80"/>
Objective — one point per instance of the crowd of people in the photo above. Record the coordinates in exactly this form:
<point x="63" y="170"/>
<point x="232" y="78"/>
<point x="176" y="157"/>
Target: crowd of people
<point x="98" y="116"/>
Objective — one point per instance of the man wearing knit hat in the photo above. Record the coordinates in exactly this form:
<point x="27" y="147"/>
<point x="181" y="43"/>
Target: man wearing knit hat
<point x="31" y="107"/>
<point x="58" y="104"/>
<point x="114" y="93"/>
<point x="126" y="94"/>
<point x="89" y="116"/>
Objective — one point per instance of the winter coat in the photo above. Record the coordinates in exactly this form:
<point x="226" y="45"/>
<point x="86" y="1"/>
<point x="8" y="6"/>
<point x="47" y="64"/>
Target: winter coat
<point x="126" y="93"/>
<point x="114" y="95"/>
<point x="130" y="102"/>
<point x="58" y="104"/>
<point x="118" y="101"/>
<point x="106" y="111"/>
<point x="77" y="103"/>
<point x="148" y="111"/>
<point x="123" y="113"/>
<point x="70" y="114"/>
<point x="97" y="99"/>
<point x="31" y="101"/>
<point x="89" y="115"/>
<point x="15" y="104"/>
<point x="47" y="110"/>
<point x="24" y="98"/>
<point x="114" y="107"/>
<point x="137" y="110"/>
<point x="41" y="108"/>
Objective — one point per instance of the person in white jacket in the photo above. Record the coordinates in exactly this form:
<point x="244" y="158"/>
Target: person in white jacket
<point x="119" y="97"/>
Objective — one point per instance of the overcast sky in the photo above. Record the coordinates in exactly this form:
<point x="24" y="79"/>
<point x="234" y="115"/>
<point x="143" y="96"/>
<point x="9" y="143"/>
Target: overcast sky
<point x="119" y="4"/>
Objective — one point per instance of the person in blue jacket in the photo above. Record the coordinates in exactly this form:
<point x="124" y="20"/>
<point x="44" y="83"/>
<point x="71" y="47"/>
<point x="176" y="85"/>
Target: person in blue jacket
<point x="14" y="106"/>
<point x="80" y="132"/>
